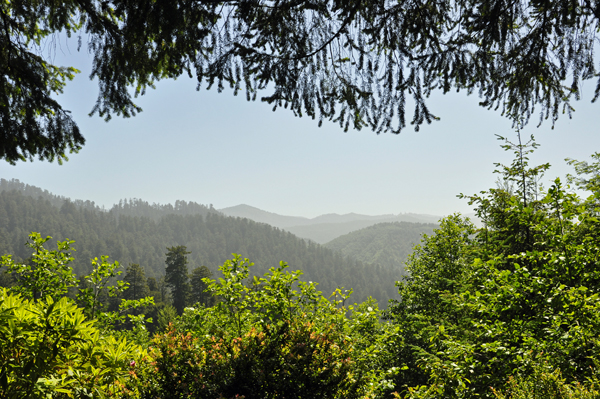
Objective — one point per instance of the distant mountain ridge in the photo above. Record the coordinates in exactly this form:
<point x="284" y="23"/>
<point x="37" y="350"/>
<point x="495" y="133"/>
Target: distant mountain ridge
<point x="125" y="207"/>
<point x="323" y="228"/>
<point x="36" y="192"/>
<point x="260" y="216"/>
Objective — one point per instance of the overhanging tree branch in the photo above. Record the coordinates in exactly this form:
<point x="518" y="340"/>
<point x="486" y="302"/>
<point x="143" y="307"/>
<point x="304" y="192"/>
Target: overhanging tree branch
<point x="356" y="68"/>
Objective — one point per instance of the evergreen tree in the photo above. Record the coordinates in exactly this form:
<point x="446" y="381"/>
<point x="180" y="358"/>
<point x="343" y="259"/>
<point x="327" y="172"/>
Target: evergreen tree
<point x="152" y="284"/>
<point x="198" y="294"/>
<point x="176" y="276"/>
<point x="138" y="285"/>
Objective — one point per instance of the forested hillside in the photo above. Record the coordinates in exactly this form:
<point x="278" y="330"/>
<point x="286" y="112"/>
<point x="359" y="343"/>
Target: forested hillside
<point x="384" y="244"/>
<point x="136" y="232"/>
<point x="128" y="207"/>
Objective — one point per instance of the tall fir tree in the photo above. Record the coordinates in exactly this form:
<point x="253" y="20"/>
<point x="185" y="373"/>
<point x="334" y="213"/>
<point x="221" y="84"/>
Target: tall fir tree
<point x="176" y="276"/>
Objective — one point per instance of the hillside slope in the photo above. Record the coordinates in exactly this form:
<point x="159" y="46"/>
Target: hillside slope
<point x="384" y="244"/>
<point x="211" y="238"/>
<point x="258" y="215"/>
<point x="326" y="232"/>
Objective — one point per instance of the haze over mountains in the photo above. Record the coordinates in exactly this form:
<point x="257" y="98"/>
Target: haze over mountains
<point x="135" y="231"/>
<point x="325" y="228"/>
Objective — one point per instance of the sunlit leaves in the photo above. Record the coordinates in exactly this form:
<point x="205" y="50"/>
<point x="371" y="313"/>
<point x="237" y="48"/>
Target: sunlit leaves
<point x="523" y="292"/>
<point x="47" y="273"/>
<point x="48" y="348"/>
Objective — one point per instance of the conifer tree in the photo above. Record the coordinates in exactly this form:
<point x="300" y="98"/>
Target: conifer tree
<point x="176" y="276"/>
<point x="138" y="285"/>
<point x="198" y="294"/>
<point x="353" y="62"/>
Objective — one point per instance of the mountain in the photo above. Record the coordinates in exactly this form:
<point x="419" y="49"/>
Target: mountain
<point x="258" y="215"/>
<point x="353" y="217"/>
<point x="324" y="228"/>
<point x="385" y="244"/>
<point x="325" y="232"/>
<point x="137" y="232"/>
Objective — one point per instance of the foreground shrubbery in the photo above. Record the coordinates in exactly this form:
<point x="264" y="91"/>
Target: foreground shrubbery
<point x="548" y="384"/>
<point x="510" y="310"/>
<point x="273" y="337"/>
<point x="268" y="339"/>
<point x="48" y="349"/>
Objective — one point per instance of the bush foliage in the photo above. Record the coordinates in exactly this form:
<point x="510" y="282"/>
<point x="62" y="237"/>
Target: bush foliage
<point x="509" y="310"/>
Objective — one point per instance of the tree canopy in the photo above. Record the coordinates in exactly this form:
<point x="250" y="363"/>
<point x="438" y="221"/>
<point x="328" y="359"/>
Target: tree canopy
<point x="353" y="62"/>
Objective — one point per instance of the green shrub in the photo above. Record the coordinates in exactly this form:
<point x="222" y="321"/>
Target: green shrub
<point x="48" y="349"/>
<point x="267" y="339"/>
<point x="543" y="384"/>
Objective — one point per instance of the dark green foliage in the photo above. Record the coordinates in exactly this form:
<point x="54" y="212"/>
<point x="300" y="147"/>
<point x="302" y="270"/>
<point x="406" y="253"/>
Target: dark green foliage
<point x="385" y="244"/>
<point x="32" y="122"/>
<point x="138" y="285"/>
<point x="7" y="280"/>
<point x="198" y="287"/>
<point x="152" y="284"/>
<point x="158" y="289"/>
<point x="352" y="62"/>
<point x="176" y="276"/>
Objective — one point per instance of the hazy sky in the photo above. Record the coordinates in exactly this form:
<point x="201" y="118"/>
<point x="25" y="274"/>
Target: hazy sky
<point x="219" y="149"/>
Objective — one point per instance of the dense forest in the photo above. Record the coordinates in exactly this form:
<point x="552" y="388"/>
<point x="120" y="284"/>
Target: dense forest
<point x="136" y="232"/>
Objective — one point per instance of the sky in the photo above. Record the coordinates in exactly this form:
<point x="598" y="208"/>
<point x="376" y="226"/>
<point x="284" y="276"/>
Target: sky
<point x="219" y="149"/>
